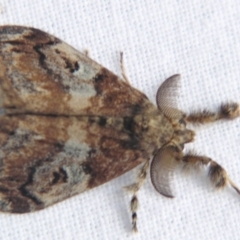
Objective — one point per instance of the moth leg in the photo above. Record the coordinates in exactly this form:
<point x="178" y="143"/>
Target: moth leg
<point x="134" y="189"/>
<point x="134" y="207"/>
<point x="123" y="69"/>
<point x="86" y="52"/>
<point x="226" y="111"/>
<point x="217" y="174"/>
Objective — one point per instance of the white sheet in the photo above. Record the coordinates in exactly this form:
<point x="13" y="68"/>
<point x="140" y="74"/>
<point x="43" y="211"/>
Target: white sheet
<point x="200" y="40"/>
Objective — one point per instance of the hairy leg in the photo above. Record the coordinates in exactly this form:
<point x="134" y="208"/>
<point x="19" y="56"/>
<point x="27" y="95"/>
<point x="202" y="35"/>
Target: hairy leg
<point x="227" y="111"/>
<point x="134" y="189"/>
<point x="217" y="174"/>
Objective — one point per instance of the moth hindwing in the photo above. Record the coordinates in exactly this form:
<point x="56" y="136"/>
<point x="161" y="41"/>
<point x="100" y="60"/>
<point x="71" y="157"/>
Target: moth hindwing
<point x="68" y="124"/>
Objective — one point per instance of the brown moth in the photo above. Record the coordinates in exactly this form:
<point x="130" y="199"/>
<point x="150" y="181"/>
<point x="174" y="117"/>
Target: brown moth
<point x="68" y="124"/>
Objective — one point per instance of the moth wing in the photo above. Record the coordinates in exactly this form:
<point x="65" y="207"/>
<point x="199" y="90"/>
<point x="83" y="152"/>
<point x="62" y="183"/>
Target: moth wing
<point x="39" y="73"/>
<point x="162" y="170"/>
<point x="44" y="160"/>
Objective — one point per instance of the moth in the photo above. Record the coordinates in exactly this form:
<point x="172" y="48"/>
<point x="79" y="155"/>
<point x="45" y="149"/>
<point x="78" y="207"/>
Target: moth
<point x="69" y="124"/>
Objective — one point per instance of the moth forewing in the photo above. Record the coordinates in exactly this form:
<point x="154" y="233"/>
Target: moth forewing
<point x="40" y="72"/>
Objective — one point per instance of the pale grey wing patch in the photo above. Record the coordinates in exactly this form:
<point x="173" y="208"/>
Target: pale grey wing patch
<point x="162" y="170"/>
<point x="167" y="97"/>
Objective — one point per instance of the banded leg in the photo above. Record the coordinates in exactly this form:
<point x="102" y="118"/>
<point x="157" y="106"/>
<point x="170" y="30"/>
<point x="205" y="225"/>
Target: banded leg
<point x="134" y="207"/>
<point x="227" y="111"/>
<point x="134" y="189"/>
<point x="217" y="174"/>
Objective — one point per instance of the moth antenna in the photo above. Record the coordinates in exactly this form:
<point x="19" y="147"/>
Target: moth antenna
<point x="166" y="97"/>
<point x="123" y="69"/>
<point x="163" y="165"/>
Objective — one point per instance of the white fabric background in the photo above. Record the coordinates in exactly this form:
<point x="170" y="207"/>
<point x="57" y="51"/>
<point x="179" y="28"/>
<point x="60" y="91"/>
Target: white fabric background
<point x="200" y="40"/>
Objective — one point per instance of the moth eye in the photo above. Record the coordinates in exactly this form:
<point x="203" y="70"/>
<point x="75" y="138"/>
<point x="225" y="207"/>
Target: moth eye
<point x="182" y="122"/>
<point x="162" y="170"/>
